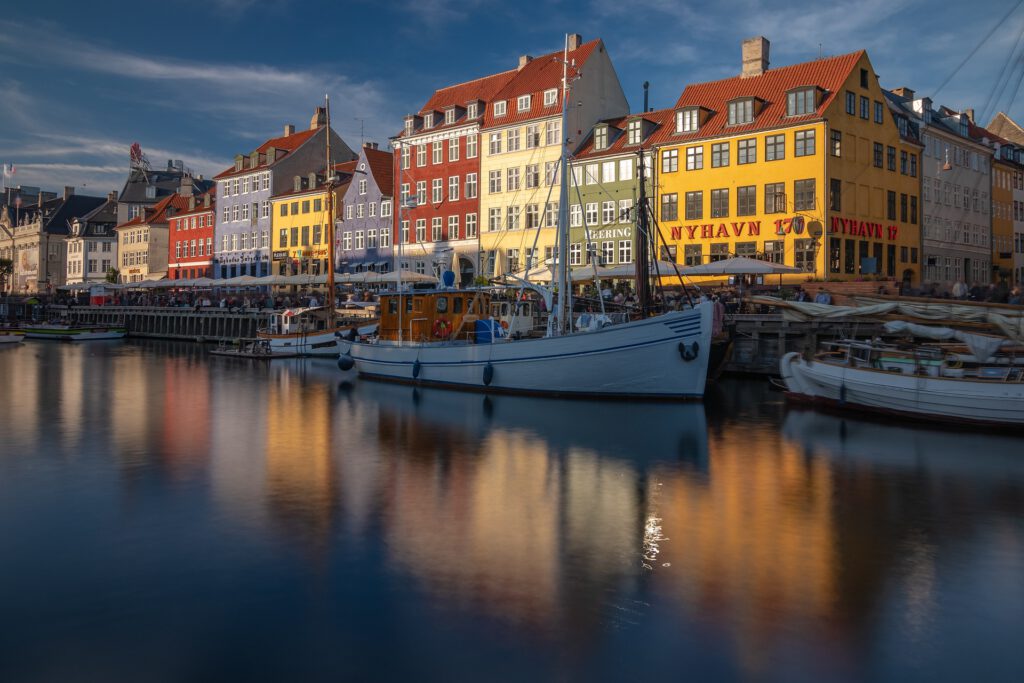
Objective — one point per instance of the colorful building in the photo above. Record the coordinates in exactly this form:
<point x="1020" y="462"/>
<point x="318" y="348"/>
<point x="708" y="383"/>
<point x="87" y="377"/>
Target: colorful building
<point x="301" y="221"/>
<point x="1003" y="126"/>
<point x="1006" y="168"/>
<point x="242" y="231"/>
<point x="604" y="189"/>
<point x="190" y="238"/>
<point x="92" y="244"/>
<point x="521" y="147"/>
<point x="799" y="165"/>
<point x="365" y="226"/>
<point x="437" y="177"/>
<point x="142" y="241"/>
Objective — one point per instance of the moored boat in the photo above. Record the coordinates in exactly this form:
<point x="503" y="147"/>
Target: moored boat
<point x="314" y="331"/>
<point x="69" y="332"/>
<point x="9" y="335"/>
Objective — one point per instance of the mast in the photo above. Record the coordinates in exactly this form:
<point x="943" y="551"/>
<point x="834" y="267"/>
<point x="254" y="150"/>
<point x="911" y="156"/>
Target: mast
<point x="564" y="309"/>
<point x="330" y="220"/>
<point x="643" y="291"/>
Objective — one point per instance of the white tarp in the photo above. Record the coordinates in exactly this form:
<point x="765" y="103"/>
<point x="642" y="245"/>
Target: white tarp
<point x="982" y="346"/>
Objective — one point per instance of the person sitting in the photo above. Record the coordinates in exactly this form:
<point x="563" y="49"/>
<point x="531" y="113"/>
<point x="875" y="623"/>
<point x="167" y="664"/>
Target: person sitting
<point x="823" y="297"/>
<point x="801" y="295"/>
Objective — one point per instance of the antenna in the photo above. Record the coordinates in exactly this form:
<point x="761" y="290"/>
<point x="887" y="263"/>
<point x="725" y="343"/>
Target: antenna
<point x="362" y="140"/>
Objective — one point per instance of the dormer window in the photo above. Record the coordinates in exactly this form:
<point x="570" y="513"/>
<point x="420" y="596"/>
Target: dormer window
<point x="634" y="132"/>
<point x="428" y="120"/>
<point x="472" y="111"/>
<point x="687" y="120"/>
<point x="523" y="103"/>
<point x="601" y="137"/>
<point x="499" y="108"/>
<point x="800" y="102"/>
<point x="449" y="116"/>
<point x="550" y="97"/>
<point x="741" y="111"/>
<point x="409" y="124"/>
<point x="964" y="130"/>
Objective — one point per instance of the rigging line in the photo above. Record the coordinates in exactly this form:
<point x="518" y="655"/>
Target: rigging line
<point x="966" y="59"/>
<point x="1011" y="58"/>
<point x="586" y="237"/>
<point x="1016" y="89"/>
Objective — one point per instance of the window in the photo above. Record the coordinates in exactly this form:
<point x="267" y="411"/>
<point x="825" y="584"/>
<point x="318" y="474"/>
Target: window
<point x="532" y="216"/>
<point x="694" y="158"/>
<point x="746" y="151"/>
<point x="471" y="188"/>
<point x="719" y="154"/>
<point x="551" y="214"/>
<point x="421" y="230"/>
<point x="607" y="252"/>
<point x="836" y="146"/>
<point x="551" y="169"/>
<point x="437" y="152"/>
<point x="775" y="198"/>
<point x="890" y="153"/>
<point x="670" y="207"/>
<point x="800" y="102"/>
<point x="694" y="205"/>
<point x="804" y="143"/>
<point x="295" y="237"/>
<point x="608" y="212"/>
<point x="835" y="194"/>
<point x="634" y="133"/>
<point x="472" y="110"/>
<point x="346" y="241"/>
<point x="626" y="169"/>
<point x="903" y="207"/>
<point x="428" y="120"/>
<point x="553" y="133"/>
<point x="865" y="106"/>
<point x="774" y="251"/>
<point x="601" y="137"/>
<point x="470" y="225"/>
<point x="670" y="161"/>
<point x="746" y="200"/>
<point x="890" y="205"/>
<point x="591" y="214"/>
<point x="512" y="218"/>
<point x="625" y="210"/>
<point x="453" y="188"/>
<point x="719" y="252"/>
<point x="550" y="97"/>
<point x="803" y="254"/>
<point x="903" y="162"/>
<point x="494" y="181"/>
<point x="692" y="254"/>
<point x="625" y="251"/>
<point x="719" y="203"/>
<point x="371" y="237"/>
<point x="449" y="116"/>
<point x="687" y="121"/>
<point x="494" y="219"/>
<point x="878" y="154"/>
<point x="421" y="192"/>
<point x="523" y="103"/>
<point x="608" y="172"/>
<point x="803" y="195"/>
<point x="471" y="146"/>
<point x="533" y="136"/>
<point x="512" y="140"/>
<point x="372" y="209"/>
<point x="360" y="240"/>
<point x="453" y="149"/>
<point x="282" y="237"/>
<point x="436" y="190"/>
<point x="421" y="156"/>
<point x="878" y="112"/>
<point x="284" y="209"/>
<point x="741" y="111"/>
<point x="453" y="228"/>
<point x="913" y="209"/>
<point x="913" y="165"/>
<point x="435" y="229"/>
<point x="499" y="108"/>
<point x="575" y="216"/>
<point x="591" y="174"/>
<point x="851" y="103"/>
<point x="318" y="234"/>
<point x="774" y="147"/>
<point x="575" y="254"/>
<point x="512" y="179"/>
<point x="494" y="143"/>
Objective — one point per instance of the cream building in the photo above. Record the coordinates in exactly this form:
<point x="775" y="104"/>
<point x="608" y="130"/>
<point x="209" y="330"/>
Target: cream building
<point x="142" y="242"/>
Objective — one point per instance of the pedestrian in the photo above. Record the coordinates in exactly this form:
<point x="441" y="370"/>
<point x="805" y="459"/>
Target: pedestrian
<point x="823" y="297"/>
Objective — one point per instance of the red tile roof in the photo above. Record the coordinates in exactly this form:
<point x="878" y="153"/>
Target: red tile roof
<point x="540" y="74"/>
<point x="382" y="169"/>
<point x="461" y="94"/>
<point x="283" y="145"/>
<point x="158" y="212"/>
<point x="660" y="118"/>
<point x="771" y="87"/>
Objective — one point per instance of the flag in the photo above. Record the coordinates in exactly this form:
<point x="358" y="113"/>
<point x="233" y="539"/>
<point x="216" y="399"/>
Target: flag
<point x="9" y="170"/>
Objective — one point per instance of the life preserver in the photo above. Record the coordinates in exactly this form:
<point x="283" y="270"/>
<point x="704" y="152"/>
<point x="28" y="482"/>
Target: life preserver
<point x="442" y="328"/>
<point x="504" y="324"/>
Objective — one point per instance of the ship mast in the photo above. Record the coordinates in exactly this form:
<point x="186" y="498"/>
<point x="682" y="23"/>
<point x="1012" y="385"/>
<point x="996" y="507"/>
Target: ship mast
<point x="330" y="219"/>
<point x="564" y="284"/>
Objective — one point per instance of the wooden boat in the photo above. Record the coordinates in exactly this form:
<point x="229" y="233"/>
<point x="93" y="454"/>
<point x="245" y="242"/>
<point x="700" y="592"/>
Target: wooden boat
<point x="918" y="381"/>
<point x="252" y="348"/>
<point x="70" y="332"/>
<point x="314" y="331"/>
<point x="11" y="335"/>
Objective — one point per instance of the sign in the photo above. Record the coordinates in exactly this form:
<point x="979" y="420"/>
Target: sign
<point x="709" y="231"/>
<point x="611" y="233"/>
<point x="280" y="255"/>
<point x="863" y="229"/>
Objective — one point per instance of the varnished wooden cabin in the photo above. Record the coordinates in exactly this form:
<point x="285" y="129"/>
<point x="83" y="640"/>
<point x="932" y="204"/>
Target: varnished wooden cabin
<point x="433" y="316"/>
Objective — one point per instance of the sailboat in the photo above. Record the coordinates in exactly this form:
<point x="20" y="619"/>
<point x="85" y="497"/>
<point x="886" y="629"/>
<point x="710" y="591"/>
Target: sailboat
<point x="448" y="338"/>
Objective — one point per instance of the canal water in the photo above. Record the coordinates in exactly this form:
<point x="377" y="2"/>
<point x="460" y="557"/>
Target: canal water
<point x="166" y="515"/>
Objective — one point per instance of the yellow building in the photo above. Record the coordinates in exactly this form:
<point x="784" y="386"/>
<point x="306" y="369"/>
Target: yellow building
<point x="521" y="145"/>
<point x="299" y="225"/>
<point x="1003" y="170"/>
<point x="802" y="165"/>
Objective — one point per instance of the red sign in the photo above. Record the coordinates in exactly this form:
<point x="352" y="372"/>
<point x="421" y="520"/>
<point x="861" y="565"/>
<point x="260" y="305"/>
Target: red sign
<point x="863" y="229"/>
<point x="721" y="231"/>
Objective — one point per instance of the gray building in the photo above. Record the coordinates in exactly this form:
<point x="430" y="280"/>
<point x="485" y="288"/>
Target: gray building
<point x="92" y="244"/>
<point x="145" y="187"/>
<point x="956" y="184"/>
<point x="242" y="233"/>
<point x="366" y="224"/>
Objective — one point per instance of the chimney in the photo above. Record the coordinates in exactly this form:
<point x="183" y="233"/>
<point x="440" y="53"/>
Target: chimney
<point x="112" y="196"/>
<point x="755" y="56"/>
<point x="289" y="129"/>
<point x="370" y="145"/>
<point x="319" y="118"/>
<point x="206" y="200"/>
<point x="904" y="92"/>
<point x="39" y="200"/>
<point x="70" y="190"/>
<point x="968" y="112"/>
<point x="575" y="40"/>
<point x="170" y="164"/>
<point x="185" y="190"/>
<point x="192" y="203"/>
<point x="524" y="60"/>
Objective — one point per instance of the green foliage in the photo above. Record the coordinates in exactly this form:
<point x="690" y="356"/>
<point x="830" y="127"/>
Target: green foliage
<point x="112" y="275"/>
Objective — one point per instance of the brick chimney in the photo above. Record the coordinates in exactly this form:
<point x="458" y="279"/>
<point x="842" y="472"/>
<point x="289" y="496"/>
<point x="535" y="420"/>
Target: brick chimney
<point x="371" y="145"/>
<point x="904" y="92"/>
<point x="69" y="190"/>
<point x="524" y="60"/>
<point x="968" y="112"/>
<point x="319" y="118"/>
<point x="186" y="187"/>
<point x="575" y="40"/>
<point x="755" y="56"/>
<point x="289" y="129"/>
<point x="112" y="196"/>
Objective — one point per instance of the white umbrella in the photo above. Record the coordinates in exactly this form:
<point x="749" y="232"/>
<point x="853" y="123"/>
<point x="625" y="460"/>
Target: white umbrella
<point x="406" y="276"/>
<point x="740" y="265"/>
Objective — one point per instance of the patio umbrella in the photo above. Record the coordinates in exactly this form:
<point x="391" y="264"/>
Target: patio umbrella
<point x="739" y="265"/>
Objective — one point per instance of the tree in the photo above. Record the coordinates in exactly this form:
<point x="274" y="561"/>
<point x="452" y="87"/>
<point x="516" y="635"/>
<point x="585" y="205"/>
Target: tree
<point x="6" y="271"/>
<point x="112" y="275"/>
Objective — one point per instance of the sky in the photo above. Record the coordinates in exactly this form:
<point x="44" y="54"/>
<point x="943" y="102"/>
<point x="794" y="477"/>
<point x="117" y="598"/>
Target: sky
<point x="202" y="81"/>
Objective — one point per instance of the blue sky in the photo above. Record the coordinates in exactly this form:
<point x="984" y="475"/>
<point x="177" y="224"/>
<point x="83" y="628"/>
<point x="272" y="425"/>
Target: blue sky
<point x="203" y="81"/>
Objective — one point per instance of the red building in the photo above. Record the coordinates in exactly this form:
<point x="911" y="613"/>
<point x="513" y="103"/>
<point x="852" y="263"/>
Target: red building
<point x="437" y="178"/>
<point x="190" y="239"/>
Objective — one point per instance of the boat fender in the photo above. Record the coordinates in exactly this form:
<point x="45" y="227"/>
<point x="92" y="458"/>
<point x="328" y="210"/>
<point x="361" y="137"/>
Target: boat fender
<point x="690" y="352"/>
<point x="953" y="361"/>
<point x="488" y="374"/>
<point x="416" y="369"/>
<point x="346" y="362"/>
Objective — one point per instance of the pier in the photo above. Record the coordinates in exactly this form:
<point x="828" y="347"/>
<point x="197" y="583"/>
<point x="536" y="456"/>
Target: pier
<point x="206" y="324"/>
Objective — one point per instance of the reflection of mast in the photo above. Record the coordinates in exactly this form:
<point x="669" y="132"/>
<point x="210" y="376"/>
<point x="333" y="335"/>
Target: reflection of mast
<point x="330" y="221"/>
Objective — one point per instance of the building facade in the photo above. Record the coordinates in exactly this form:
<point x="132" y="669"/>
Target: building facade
<point x="190" y="238"/>
<point x="799" y="165"/>
<point x="365" y="224"/>
<point x="437" y="178"/>
<point x="521" y="147"/>
<point x="92" y="244"/>
<point x="146" y="186"/>
<point x="242" y="243"/>
<point x="142" y="242"/>
<point x="301" y="223"/>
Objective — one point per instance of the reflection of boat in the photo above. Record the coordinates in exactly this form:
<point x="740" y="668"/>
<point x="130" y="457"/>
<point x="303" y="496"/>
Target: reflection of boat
<point x="249" y="348"/>
<point x="313" y="331"/>
<point x="67" y="332"/>
<point x="914" y="381"/>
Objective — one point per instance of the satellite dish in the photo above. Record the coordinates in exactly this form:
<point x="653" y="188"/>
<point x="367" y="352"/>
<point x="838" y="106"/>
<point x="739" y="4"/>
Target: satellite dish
<point x="815" y="229"/>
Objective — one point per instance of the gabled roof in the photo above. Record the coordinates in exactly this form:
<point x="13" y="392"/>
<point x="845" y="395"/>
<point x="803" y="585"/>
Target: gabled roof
<point x="199" y="203"/>
<point x="1007" y="128"/>
<point x="770" y="87"/>
<point x="344" y="170"/>
<point x="536" y="76"/>
<point x="480" y="89"/>
<point x="158" y="212"/>
<point x="63" y="211"/>
<point x="283" y="146"/>
<point x="97" y="221"/>
<point x="165" y="180"/>
<point x="619" y="141"/>
<point x="381" y="167"/>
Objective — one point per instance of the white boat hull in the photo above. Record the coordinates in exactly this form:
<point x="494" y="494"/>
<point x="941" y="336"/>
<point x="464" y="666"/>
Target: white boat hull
<point x="322" y="343"/>
<point x="932" y="398"/>
<point x="74" y="333"/>
<point x="11" y="337"/>
<point x="644" y="358"/>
